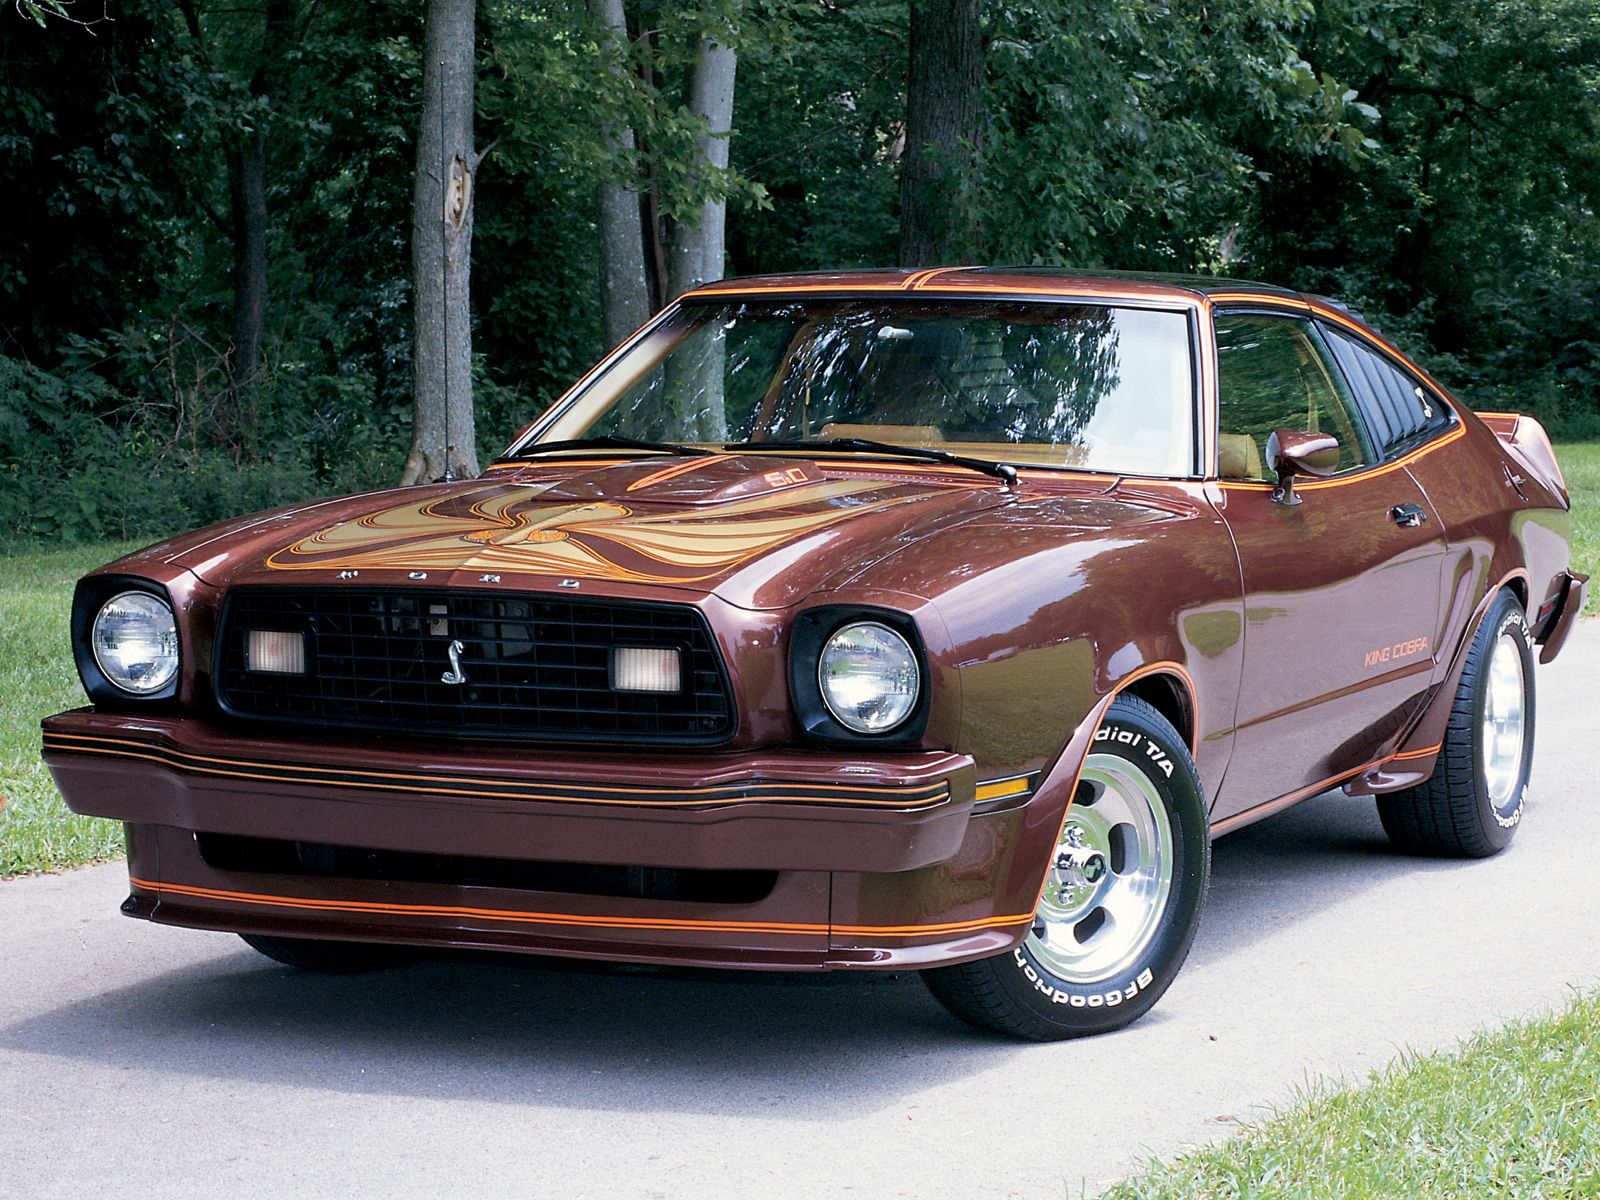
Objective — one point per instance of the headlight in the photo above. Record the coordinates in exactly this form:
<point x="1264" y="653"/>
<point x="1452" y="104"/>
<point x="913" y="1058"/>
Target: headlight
<point x="869" y="677"/>
<point x="135" y="642"/>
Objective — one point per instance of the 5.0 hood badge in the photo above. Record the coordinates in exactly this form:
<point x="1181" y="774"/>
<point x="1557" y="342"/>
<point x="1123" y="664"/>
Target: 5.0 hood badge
<point x="455" y="674"/>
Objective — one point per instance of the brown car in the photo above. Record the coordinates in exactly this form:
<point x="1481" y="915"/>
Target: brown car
<point x="927" y="620"/>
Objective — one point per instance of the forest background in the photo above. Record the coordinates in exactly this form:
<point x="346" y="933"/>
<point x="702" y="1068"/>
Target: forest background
<point x="209" y="297"/>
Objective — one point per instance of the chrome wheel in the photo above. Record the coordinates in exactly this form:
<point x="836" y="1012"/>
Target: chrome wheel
<point x="1122" y="896"/>
<point x="1503" y="725"/>
<point x="1475" y="799"/>
<point x="1112" y="875"/>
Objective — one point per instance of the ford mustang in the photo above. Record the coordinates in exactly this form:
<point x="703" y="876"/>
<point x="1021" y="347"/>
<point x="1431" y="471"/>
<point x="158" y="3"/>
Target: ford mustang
<point x="932" y="620"/>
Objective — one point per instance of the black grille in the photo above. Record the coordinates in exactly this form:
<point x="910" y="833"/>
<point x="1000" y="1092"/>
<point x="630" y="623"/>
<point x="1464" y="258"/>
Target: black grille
<point x="536" y="667"/>
<point x="229" y="852"/>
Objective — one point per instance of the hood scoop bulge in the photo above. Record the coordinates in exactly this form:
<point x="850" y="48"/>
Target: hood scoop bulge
<point x="714" y="479"/>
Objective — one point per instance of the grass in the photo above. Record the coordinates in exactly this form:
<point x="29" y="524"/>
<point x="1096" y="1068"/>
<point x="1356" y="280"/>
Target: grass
<point x="37" y="678"/>
<point x="1514" y="1113"/>
<point x="1580" y="463"/>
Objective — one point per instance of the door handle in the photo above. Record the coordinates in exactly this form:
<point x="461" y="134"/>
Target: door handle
<point x="1408" y="516"/>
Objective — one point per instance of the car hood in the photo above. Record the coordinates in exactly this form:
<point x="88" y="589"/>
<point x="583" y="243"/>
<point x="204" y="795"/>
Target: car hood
<point x="759" y="531"/>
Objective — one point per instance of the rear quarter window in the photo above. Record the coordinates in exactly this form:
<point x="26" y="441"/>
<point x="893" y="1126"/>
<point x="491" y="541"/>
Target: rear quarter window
<point x="1401" y="410"/>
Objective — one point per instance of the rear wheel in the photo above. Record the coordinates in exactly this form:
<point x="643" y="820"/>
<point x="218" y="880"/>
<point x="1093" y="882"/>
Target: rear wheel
<point x="329" y="958"/>
<point x="1121" y="901"/>
<point x="1474" y="801"/>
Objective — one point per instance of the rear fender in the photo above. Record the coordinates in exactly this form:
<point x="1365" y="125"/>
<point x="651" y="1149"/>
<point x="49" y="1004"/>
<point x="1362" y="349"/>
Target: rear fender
<point x="1529" y="446"/>
<point x="1413" y="760"/>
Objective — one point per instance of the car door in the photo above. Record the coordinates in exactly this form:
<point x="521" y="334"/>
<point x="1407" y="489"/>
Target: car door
<point x="1341" y="590"/>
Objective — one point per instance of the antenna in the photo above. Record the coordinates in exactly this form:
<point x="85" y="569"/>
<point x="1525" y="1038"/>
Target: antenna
<point x="444" y="277"/>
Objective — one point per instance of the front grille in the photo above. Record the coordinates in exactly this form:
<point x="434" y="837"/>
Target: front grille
<point x="535" y="666"/>
<point x="228" y="852"/>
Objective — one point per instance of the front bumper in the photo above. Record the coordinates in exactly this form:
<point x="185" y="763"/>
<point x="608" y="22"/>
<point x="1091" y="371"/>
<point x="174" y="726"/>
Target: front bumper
<point x="860" y="853"/>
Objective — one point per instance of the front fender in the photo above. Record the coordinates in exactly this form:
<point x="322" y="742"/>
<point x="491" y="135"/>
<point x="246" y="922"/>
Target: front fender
<point x="1044" y="621"/>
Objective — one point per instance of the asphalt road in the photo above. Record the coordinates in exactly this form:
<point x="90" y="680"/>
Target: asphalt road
<point x="152" y="1062"/>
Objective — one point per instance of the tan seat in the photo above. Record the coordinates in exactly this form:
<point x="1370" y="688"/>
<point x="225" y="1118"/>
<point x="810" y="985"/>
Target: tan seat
<point x="1238" y="457"/>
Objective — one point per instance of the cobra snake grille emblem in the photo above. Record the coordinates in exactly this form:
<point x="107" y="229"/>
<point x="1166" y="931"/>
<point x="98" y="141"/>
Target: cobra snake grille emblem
<point x="455" y="674"/>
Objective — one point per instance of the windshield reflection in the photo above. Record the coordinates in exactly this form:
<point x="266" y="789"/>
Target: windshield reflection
<point x="1092" y="386"/>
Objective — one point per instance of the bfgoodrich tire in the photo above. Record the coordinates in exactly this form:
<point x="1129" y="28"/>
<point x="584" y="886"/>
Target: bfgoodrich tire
<point x="329" y="958"/>
<point x="1474" y="801"/>
<point x="1121" y="901"/>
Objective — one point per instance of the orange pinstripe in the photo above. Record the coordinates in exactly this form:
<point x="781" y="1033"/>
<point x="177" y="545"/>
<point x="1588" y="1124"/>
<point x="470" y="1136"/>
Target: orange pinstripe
<point x="1358" y="476"/>
<point x="1272" y="806"/>
<point x="674" y="471"/>
<point x="228" y="768"/>
<point x="599" y="922"/>
<point x="1410" y="754"/>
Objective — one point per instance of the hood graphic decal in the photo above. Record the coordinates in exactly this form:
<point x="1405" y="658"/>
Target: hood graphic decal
<point x="509" y="529"/>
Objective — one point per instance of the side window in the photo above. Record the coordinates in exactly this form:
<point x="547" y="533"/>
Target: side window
<point x="1403" y="411"/>
<point x="1272" y="373"/>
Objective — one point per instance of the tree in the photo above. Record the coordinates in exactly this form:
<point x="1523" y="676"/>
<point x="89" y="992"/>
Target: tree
<point x="818" y="117"/>
<point x="697" y="245"/>
<point x="937" y="223"/>
<point x="443" y="427"/>
<point x="247" y="193"/>
<point x="1436" y="162"/>
<point x="245" y="153"/>
<point x="1470" y="226"/>
<point x="624" y="288"/>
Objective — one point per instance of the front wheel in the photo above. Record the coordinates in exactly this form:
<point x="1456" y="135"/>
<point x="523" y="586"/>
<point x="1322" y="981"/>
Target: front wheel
<point x="1121" y="899"/>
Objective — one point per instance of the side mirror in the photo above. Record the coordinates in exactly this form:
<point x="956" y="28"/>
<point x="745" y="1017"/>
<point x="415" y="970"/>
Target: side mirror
<point x="1292" y="452"/>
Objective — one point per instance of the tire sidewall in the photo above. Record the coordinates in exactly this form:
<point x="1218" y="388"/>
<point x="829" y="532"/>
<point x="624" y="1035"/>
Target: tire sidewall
<point x="1506" y="616"/>
<point x="1129" y="732"/>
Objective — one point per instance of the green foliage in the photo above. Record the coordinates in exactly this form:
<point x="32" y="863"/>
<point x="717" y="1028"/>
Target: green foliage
<point x="1510" y="1114"/>
<point x="1580" y="466"/>
<point x="1468" y="229"/>
<point x="1119" y="135"/>
<point x="114" y="319"/>
<point x="816" y="115"/>
<point x="38" y="10"/>
<point x="1435" y="162"/>
<point x="83" y="461"/>
<point x="37" y="678"/>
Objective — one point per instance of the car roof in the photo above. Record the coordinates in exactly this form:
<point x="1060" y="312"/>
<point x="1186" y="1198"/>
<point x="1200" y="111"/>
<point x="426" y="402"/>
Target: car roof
<point x="1025" y="280"/>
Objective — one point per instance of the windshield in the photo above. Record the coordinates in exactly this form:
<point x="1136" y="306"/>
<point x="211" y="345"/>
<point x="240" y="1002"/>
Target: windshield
<point x="1087" y="386"/>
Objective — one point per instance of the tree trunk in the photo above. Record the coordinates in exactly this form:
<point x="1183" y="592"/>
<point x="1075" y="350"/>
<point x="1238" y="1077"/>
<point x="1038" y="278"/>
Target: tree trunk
<point x="443" y="437"/>
<point x="247" y="193"/>
<point x="246" y="161"/>
<point x="942" y="133"/>
<point x="655" y="233"/>
<point x="624" y="288"/>
<point x="696" y="251"/>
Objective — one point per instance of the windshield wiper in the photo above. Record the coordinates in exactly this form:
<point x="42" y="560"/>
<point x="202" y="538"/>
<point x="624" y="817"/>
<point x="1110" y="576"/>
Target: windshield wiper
<point x="1000" y="470"/>
<point x="608" y="441"/>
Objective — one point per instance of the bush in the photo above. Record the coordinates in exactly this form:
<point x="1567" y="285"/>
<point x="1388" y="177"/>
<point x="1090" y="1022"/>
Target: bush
<point x="82" y="461"/>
